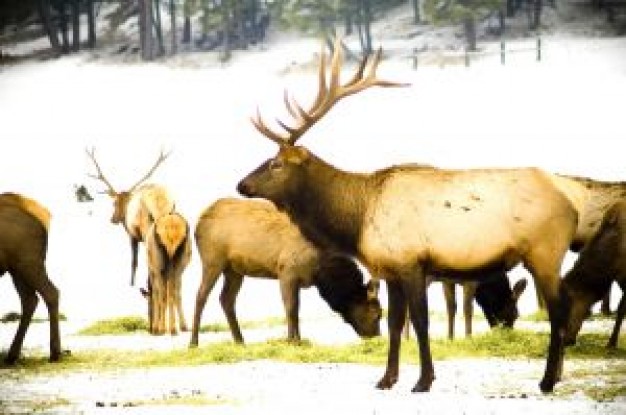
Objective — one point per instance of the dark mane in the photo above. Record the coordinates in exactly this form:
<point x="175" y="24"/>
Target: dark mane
<point x="339" y="282"/>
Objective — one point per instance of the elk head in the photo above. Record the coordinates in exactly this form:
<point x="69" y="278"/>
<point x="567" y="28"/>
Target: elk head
<point x="280" y="177"/>
<point x="121" y="199"/>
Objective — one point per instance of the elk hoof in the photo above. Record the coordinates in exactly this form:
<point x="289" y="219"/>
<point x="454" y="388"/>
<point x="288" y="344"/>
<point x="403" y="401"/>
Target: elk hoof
<point x="10" y="360"/>
<point x="546" y="386"/>
<point x="387" y="382"/>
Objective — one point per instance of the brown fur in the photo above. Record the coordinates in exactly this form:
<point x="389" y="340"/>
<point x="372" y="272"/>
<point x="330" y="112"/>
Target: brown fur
<point x="407" y="222"/>
<point x="23" y="246"/>
<point x="601" y="262"/>
<point x="169" y="252"/>
<point x="251" y="237"/>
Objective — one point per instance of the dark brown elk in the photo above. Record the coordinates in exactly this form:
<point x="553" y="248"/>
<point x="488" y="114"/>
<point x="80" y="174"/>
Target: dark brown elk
<point x="168" y="247"/>
<point x="251" y="237"/>
<point x="600" y="195"/>
<point x="601" y="262"/>
<point x="23" y="246"/>
<point x="405" y="223"/>
<point x="494" y="296"/>
<point x="137" y="207"/>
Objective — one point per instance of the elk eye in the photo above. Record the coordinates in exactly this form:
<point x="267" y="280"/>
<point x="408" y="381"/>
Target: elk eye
<point x="276" y="164"/>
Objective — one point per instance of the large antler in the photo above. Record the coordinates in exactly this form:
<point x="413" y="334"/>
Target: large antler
<point x="327" y="95"/>
<point x="160" y="159"/>
<point x="100" y="176"/>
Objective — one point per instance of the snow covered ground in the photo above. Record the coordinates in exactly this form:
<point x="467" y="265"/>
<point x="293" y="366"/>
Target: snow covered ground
<point x="562" y="114"/>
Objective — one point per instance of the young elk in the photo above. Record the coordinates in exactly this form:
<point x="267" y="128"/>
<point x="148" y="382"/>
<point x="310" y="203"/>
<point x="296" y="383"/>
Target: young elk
<point x="601" y="262"/>
<point x="404" y="223"/>
<point x="169" y="252"/>
<point x="493" y="295"/>
<point x="23" y="246"/>
<point x="251" y="237"/>
<point x="137" y="207"/>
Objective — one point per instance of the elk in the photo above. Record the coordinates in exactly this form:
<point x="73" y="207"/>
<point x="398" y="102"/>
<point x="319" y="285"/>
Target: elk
<point x="493" y="294"/>
<point x="238" y="237"/>
<point x="23" y="246"/>
<point x="137" y="207"/>
<point x="168" y="248"/>
<point x="404" y="223"/>
<point x="601" y="262"/>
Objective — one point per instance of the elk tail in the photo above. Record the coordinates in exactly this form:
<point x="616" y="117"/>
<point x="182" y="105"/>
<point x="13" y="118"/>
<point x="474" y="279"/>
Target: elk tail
<point x="171" y="234"/>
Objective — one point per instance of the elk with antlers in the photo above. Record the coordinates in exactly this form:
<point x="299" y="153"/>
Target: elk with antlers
<point x="404" y="222"/>
<point x="137" y="207"/>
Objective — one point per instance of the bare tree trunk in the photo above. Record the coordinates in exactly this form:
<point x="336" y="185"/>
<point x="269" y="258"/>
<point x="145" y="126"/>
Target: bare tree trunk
<point x="173" y="27"/>
<point x="146" y="39"/>
<point x="537" y="14"/>
<point x="61" y="9"/>
<point x="158" y="27"/>
<point x="226" y="25"/>
<point x="48" y="24"/>
<point x="469" y="26"/>
<point x="75" y="7"/>
<point x="416" y="11"/>
<point x="91" y="24"/>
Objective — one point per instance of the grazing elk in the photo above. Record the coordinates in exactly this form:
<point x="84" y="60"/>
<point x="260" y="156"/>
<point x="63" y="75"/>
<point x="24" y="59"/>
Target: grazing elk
<point x="494" y="296"/>
<point x="168" y="248"/>
<point x="601" y="262"/>
<point x="137" y="207"/>
<point x="404" y="223"/>
<point x="251" y="237"/>
<point x="23" y="247"/>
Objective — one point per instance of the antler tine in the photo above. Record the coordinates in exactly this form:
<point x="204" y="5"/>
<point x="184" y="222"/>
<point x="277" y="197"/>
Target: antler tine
<point x="160" y="159"/>
<point x="263" y="129"/>
<point x="327" y="95"/>
<point x="100" y="176"/>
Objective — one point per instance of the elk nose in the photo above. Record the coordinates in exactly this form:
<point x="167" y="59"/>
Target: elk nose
<point x="244" y="188"/>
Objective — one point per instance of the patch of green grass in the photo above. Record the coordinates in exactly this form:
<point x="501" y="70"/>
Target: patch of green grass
<point x="538" y="316"/>
<point x="14" y="316"/>
<point x="246" y="325"/>
<point x="119" y="325"/>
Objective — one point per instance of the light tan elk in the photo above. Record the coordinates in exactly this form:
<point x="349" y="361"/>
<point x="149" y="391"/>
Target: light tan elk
<point x="23" y="246"/>
<point x="251" y="237"/>
<point x="137" y="207"/>
<point x="404" y="223"/>
<point x="168" y="248"/>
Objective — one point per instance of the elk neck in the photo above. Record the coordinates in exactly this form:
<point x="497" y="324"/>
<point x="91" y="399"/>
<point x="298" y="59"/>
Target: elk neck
<point x="330" y="205"/>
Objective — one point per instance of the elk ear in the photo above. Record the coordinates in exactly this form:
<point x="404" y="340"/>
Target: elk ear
<point x="519" y="288"/>
<point x="373" y="286"/>
<point x="295" y="155"/>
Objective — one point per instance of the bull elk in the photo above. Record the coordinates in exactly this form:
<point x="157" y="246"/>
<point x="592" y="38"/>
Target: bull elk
<point x="601" y="262"/>
<point x="251" y="237"/>
<point x="404" y="223"/>
<point x="137" y="207"/>
<point x="23" y="246"/>
<point x="168" y="248"/>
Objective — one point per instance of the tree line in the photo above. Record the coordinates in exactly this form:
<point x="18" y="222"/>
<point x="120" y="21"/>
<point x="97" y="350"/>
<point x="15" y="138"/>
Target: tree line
<point x="225" y="25"/>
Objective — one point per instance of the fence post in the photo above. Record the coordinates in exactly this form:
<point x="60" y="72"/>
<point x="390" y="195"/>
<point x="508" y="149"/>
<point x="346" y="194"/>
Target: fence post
<point x="467" y="58"/>
<point x="502" y="52"/>
<point x="538" y="49"/>
<point x="414" y="58"/>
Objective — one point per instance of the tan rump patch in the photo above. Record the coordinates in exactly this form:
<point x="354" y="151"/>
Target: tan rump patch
<point x="172" y="230"/>
<point x="31" y="206"/>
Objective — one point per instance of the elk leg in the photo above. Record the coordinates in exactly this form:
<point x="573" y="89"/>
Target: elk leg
<point x="395" y="320"/>
<point x="232" y="284"/>
<point x="182" y="323"/>
<point x="158" y="304"/>
<point x="449" y="293"/>
<point x="469" y="291"/>
<point x="605" y="306"/>
<point x="414" y="287"/>
<point x="557" y="303"/>
<point x="171" y="305"/>
<point x="621" y="310"/>
<point x="29" y="300"/>
<point x="210" y="273"/>
<point x="134" y="248"/>
<point x="290" y="292"/>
